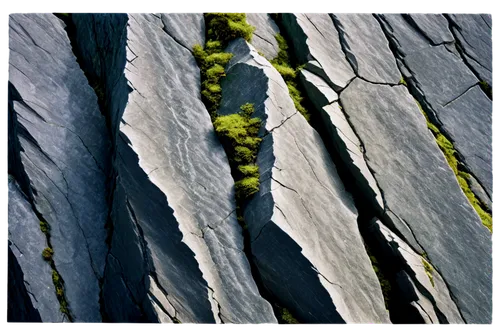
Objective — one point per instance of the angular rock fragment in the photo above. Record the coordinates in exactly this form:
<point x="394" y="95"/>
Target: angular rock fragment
<point x="433" y="26"/>
<point x="263" y="36"/>
<point x="186" y="29"/>
<point x="31" y="275"/>
<point x="314" y="37"/>
<point x="421" y="190"/>
<point x="366" y="48"/>
<point x="63" y="152"/>
<point x="302" y="222"/>
<point x="176" y="248"/>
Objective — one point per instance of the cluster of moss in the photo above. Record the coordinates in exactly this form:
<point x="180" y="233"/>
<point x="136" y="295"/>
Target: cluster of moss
<point x="403" y="82"/>
<point x="428" y="270"/>
<point x="221" y="28"/>
<point x="384" y="282"/>
<point x="239" y="135"/>
<point x="282" y="64"/>
<point x="451" y="156"/>
<point x="286" y="317"/>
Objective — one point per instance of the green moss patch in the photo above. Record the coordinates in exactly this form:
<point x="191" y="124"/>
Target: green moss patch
<point x="428" y="270"/>
<point x="47" y="254"/>
<point x="462" y="176"/>
<point x="282" y="64"/>
<point x="384" y="282"/>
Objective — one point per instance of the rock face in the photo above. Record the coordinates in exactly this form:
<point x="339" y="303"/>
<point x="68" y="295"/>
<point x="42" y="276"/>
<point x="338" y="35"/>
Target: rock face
<point x="115" y="165"/>
<point x="173" y="204"/>
<point x="63" y="153"/>
<point x="32" y="296"/>
<point x="402" y="170"/>
<point x="302" y="214"/>
<point x="263" y="36"/>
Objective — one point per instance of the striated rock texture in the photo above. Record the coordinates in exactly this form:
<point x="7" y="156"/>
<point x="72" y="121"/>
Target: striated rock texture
<point x="176" y="245"/>
<point x="117" y="176"/>
<point x="302" y="223"/>
<point x="61" y="156"/>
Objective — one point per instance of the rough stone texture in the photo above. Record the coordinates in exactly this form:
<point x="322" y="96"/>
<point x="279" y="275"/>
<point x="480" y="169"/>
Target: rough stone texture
<point x="26" y="243"/>
<point x="468" y="120"/>
<point x="473" y="33"/>
<point x="175" y="236"/>
<point x="63" y="152"/>
<point x="440" y="79"/>
<point x="314" y="37"/>
<point x="187" y="29"/>
<point x="433" y="26"/>
<point x="432" y="298"/>
<point x="302" y="222"/>
<point x="366" y="48"/>
<point x="420" y="188"/>
<point x="263" y="36"/>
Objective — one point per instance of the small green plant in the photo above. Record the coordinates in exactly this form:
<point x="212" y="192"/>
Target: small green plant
<point x="287" y="317"/>
<point x="47" y="254"/>
<point x="428" y="270"/>
<point x="403" y="82"/>
<point x="450" y="154"/>
<point x="282" y="64"/>
<point x="58" y="283"/>
<point x="44" y="226"/>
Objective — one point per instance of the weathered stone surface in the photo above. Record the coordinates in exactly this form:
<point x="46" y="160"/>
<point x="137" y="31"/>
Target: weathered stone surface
<point x="400" y="32"/>
<point x="468" y="120"/>
<point x="263" y="36"/>
<point x="63" y="151"/>
<point x="302" y="222"/>
<point x="26" y="243"/>
<point x="433" y="26"/>
<point x="420" y="188"/>
<point x="473" y="33"/>
<point x="366" y="48"/>
<point x="187" y="29"/>
<point x="318" y="91"/>
<point x="314" y="37"/>
<point x="174" y="220"/>
<point x="433" y="296"/>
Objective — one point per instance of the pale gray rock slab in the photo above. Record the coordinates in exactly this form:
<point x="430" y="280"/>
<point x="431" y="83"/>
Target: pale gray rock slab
<point x="174" y="203"/>
<point x="318" y="90"/>
<point x="64" y="150"/>
<point x="433" y="26"/>
<point x="367" y="48"/>
<point x="263" y="36"/>
<point x="438" y="297"/>
<point x="26" y="242"/>
<point x="468" y="120"/>
<point x="420" y="188"/>
<point x="314" y="37"/>
<point x="473" y="33"/>
<point x="480" y="192"/>
<point x="305" y="241"/>
<point x="186" y="29"/>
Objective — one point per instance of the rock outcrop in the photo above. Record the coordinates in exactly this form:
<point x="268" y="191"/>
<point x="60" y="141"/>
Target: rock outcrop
<point x="264" y="35"/>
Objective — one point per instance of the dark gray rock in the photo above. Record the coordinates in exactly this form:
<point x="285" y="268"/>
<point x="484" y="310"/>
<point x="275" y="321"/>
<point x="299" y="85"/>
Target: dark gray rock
<point x="314" y="37"/>
<point x="187" y="29"/>
<point x="420" y="188"/>
<point x="263" y="36"/>
<point x="26" y="243"/>
<point x="177" y="248"/>
<point x="480" y="192"/>
<point x="366" y="48"/>
<point x="473" y="34"/>
<point x="468" y="120"/>
<point x="305" y="240"/>
<point x="433" y="26"/>
<point x="63" y="152"/>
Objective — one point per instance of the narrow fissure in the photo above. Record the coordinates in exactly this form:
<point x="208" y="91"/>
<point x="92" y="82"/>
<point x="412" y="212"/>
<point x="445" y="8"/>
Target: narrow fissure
<point x="98" y="83"/>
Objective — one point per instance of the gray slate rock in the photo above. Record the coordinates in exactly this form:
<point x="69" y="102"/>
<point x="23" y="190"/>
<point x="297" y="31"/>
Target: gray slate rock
<point x="433" y="26"/>
<point x="26" y="243"/>
<point x="187" y="29"/>
<point x="432" y="296"/>
<point x="64" y="153"/>
<point x="305" y="240"/>
<point x="420" y="188"/>
<point x="314" y="37"/>
<point x="468" y="120"/>
<point x="263" y="36"/>
<point x="176" y="239"/>
<point x="473" y="34"/>
<point x="366" y="48"/>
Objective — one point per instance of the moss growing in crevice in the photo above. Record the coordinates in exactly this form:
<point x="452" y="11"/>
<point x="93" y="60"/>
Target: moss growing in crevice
<point x="462" y="175"/>
<point x="428" y="270"/>
<point x="282" y="64"/>
<point x="403" y="82"/>
<point x="384" y="282"/>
